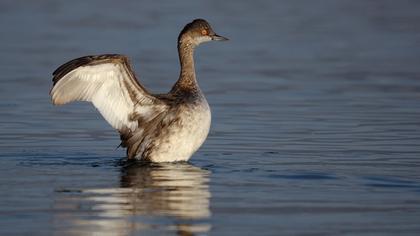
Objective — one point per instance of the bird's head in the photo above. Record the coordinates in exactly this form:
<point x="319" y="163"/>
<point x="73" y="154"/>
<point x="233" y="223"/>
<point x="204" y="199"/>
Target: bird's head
<point x="197" y="32"/>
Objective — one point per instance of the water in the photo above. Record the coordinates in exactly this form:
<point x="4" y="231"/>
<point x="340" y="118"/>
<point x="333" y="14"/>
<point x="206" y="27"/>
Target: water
<point x="316" y="120"/>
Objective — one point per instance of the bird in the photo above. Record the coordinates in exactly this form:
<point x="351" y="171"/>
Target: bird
<point x="153" y="127"/>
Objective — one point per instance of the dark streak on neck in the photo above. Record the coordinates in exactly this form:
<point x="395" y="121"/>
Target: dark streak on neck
<point x="187" y="81"/>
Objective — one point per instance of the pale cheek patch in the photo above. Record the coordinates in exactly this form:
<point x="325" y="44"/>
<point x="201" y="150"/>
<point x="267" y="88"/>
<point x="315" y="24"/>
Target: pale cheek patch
<point x="202" y="39"/>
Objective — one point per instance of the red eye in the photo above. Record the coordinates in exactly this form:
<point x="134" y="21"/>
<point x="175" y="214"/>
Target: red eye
<point x="204" y="32"/>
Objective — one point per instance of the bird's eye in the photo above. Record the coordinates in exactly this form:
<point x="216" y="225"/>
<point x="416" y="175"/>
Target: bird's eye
<point x="204" y="32"/>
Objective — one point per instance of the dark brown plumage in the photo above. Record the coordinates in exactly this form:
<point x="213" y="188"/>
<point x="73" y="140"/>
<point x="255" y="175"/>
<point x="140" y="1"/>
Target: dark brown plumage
<point x="196" y="27"/>
<point x="94" y="60"/>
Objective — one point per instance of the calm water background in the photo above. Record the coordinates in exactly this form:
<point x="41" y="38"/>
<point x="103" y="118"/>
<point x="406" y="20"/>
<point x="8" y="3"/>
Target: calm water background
<point x="316" y="120"/>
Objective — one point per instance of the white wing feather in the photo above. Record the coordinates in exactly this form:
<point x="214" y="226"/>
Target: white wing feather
<point x="109" y="86"/>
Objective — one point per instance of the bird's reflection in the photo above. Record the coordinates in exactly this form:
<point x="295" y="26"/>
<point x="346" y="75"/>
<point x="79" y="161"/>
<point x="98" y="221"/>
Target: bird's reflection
<point x="156" y="197"/>
<point x="180" y="190"/>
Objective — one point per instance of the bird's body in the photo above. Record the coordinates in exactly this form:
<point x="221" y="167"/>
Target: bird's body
<point x="153" y="127"/>
<point x="176" y="134"/>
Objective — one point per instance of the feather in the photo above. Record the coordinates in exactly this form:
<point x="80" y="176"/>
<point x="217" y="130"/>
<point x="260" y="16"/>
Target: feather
<point x="96" y="79"/>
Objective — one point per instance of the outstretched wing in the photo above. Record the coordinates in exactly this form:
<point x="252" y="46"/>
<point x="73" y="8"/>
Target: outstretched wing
<point x="110" y="84"/>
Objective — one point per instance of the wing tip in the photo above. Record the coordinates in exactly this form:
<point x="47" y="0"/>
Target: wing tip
<point x="55" y="101"/>
<point x="65" y="68"/>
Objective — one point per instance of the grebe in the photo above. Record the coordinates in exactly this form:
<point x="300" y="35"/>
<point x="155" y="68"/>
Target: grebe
<point x="153" y="127"/>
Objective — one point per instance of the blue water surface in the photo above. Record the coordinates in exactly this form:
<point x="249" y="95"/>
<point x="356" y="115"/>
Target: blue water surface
<point x="315" y="129"/>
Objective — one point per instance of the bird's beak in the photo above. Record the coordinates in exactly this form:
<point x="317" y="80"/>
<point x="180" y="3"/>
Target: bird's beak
<point x="218" y="38"/>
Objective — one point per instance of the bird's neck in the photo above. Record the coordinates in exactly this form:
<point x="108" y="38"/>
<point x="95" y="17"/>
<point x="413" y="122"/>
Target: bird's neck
<point x="187" y="80"/>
